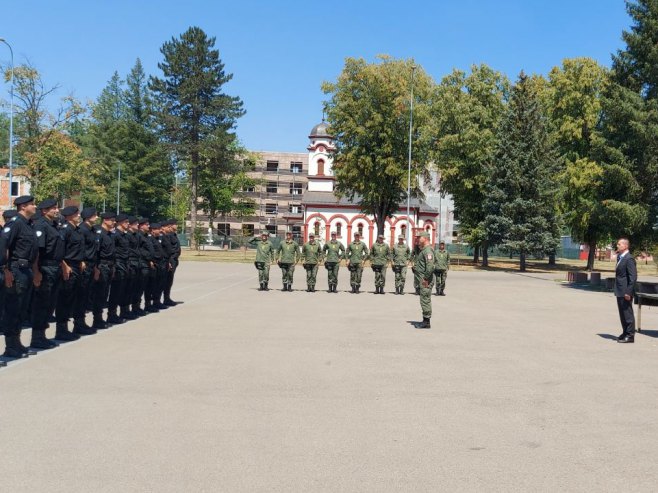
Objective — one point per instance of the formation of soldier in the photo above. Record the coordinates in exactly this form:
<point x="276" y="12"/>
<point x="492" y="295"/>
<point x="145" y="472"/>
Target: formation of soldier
<point x="65" y="263"/>
<point x="428" y="264"/>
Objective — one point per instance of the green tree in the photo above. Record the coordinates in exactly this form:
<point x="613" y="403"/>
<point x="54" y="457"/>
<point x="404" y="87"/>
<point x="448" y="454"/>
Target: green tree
<point x="467" y="111"/>
<point x="137" y="96"/>
<point x="368" y="114"/>
<point x="630" y="114"/>
<point x="520" y="194"/>
<point x="111" y="104"/>
<point x="597" y="195"/>
<point x="195" y="116"/>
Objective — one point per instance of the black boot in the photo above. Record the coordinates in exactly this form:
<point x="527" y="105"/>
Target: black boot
<point x="312" y="288"/>
<point x="353" y="288"/>
<point x="262" y="287"/>
<point x="125" y="313"/>
<point x="265" y="287"/>
<point x="99" y="324"/>
<point x="11" y="349"/>
<point x="82" y="329"/>
<point x="357" y="288"/>
<point x="442" y="293"/>
<point x="137" y="311"/>
<point x="418" y="291"/>
<point x="308" y="288"/>
<point x="62" y="332"/>
<point x="425" y="324"/>
<point x="25" y="350"/>
<point x="39" y="340"/>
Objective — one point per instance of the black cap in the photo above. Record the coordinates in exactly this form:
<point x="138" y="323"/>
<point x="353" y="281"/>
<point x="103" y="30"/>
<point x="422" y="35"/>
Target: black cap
<point x="88" y="212"/>
<point x="122" y="217"/>
<point x="23" y="199"/>
<point x="47" y="204"/>
<point x="108" y="215"/>
<point x="156" y="225"/>
<point x="144" y="220"/>
<point x="132" y="219"/>
<point x="69" y="211"/>
<point x="9" y="213"/>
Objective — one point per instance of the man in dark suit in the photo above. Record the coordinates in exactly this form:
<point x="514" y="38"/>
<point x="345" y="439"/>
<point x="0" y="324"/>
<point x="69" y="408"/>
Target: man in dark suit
<point x="625" y="278"/>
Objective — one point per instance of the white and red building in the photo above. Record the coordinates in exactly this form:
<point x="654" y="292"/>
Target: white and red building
<point x="324" y="212"/>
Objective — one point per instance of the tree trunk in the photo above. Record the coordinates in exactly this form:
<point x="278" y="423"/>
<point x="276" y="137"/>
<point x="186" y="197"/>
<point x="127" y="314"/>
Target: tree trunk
<point x="193" y="192"/>
<point x="591" y="256"/>
<point x="522" y="262"/>
<point x="476" y="254"/>
<point x="485" y="254"/>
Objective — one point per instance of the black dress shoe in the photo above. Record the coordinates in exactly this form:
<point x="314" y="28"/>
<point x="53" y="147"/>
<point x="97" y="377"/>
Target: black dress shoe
<point x="114" y="320"/>
<point x="14" y="353"/>
<point x="627" y="340"/>
<point x="621" y="336"/>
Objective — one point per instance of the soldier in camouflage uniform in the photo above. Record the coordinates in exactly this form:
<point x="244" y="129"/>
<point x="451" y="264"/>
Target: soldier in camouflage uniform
<point x="287" y="257"/>
<point x="401" y="255"/>
<point x="311" y="256"/>
<point x="424" y="272"/>
<point x="441" y="267"/>
<point x="356" y="253"/>
<point x="380" y="254"/>
<point x="334" y="251"/>
<point x="414" y="257"/>
<point x="264" y="258"/>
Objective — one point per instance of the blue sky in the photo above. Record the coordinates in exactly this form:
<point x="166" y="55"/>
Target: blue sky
<point x="280" y="51"/>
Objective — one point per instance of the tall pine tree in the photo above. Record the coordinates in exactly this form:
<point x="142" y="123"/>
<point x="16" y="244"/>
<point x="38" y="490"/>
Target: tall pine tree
<point x="195" y="116"/>
<point x="520" y="192"/>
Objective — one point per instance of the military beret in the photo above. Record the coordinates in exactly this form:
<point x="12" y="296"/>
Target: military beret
<point x="47" y="204"/>
<point x="156" y="225"/>
<point x="424" y="234"/>
<point x="288" y="232"/>
<point x="69" y="211"/>
<point x="144" y="220"/>
<point x="264" y="232"/>
<point x="357" y="234"/>
<point x="10" y="213"/>
<point x="122" y="217"/>
<point x="23" y="199"/>
<point x="108" y="215"/>
<point x="333" y="233"/>
<point x="401" y="237"/>
<point x="171" y="222"/>
<point x="311" y="235"/>
<point x="380" y="236"/>
<point x="88" y="212"/>
<point x="132" y="219"/>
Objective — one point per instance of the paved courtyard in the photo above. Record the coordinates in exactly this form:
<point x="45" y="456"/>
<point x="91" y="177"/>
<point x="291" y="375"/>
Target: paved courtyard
<point x="518" y="386"/>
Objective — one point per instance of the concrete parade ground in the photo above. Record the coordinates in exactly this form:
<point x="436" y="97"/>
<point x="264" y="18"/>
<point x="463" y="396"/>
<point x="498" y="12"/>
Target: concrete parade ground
<point x="518" y="386"/>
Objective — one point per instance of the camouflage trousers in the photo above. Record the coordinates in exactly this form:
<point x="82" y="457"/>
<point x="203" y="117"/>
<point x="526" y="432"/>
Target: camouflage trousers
<point x="311" y="274"/>
<point x="426" y="299"/>
<point x="401" y="277"/>
<point x="440" y="276"/>
<point x="332" y="272"/>
<point x="355" y="275"/>
<point x="380" y="277"/>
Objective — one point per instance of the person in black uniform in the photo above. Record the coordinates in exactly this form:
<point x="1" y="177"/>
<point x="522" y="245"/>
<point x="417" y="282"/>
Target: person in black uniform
<point x="118" y="297"/>
<point x="21" y="273"/>
<point x="51" y="254"/>
<point x="146" y="268"/>
<point x="8" y="215"/>
<point x="73" y="267"/>
<point x="174" y="254"/>
<point x="160" y="262"/>
<point x="101" y="285"/>
<point x="133" y="268"/>
<point x="91" y="241"/>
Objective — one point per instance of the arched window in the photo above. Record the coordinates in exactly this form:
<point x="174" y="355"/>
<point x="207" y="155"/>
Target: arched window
<point x="360" y="229"/>
<point x="320" y="167"/>
<point x="339" y="229"/>
<point x="316" y="228"/>
<point x="403" y="230"/>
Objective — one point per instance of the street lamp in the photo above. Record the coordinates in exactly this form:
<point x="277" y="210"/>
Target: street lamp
<point x="411" y="125"/>
<point x="11" y="119"/>
<point x="118" y="187"/>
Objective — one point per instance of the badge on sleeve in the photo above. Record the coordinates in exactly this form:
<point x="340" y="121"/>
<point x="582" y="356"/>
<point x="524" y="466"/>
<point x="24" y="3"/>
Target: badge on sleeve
<point x="6" y="230"/>
<point x="429" y="256"/>
<point x="39" y="233"/>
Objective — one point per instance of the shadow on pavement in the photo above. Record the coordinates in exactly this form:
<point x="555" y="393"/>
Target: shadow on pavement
<point x="608" y="336"/>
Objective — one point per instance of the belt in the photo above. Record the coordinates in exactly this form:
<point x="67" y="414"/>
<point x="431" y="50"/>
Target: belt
<point x="49" y="263"/>
<point x="107" y="262"/>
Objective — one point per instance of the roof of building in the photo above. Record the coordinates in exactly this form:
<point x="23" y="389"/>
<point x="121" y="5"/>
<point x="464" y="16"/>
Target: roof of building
<point x="320" y="130"/>
<point x="328" y="198"/>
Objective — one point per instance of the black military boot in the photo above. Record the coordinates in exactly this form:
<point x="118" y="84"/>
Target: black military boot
<point x="125" y="313"/>
<point x="11" y="350"/>
<point x="353" y="288"/>
<point x="266" y="287"/>
<point x="261" y="287"/>
<point x="39" y="340"/>
<point x="312" y="288"/>
<point x="425" y="324"/>
<point x="357" y="288"/>
<point x="62" y="333"/>
<point x="26" y="351"/>
<point x="113" y="319"/>
<point x="99" y="324"/>
<point x="82" y="329"/>
<point x="137" y="311"/>
<point x="308" y="288"/>
<point x="442" y="293"/>
<point x="418" y="291"/>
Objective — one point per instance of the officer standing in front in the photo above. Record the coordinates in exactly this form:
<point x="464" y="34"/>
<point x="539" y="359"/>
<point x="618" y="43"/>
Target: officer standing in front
<point x="92" y="240"/>
<point x="380" y="254"/>
<point x="175" y="251"/>
<point x="146" y="268"/>
<point x="287" y="257"/>
<point x="311" y="257"/>
<point x="333" y="251"/>
<point x="441" y="267"/>
<point x="401" y="256"/>
<point x="8" y="215"/>
<point x="264" y="258"/>
<point x="118" y="296"/>
<point x="424" y="272"/>
<point x="21" y="273"/>
<point x="160" y="262"/>
<point x="51" y="254"/>
<point x="356" y="254"/>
